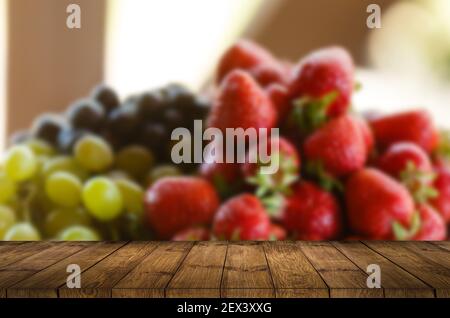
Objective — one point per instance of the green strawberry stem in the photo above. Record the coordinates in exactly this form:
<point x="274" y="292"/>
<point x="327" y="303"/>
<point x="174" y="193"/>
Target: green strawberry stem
<point x="308" y="113"/>
<point x="419" y="183"/>
<point x="403" y="234"/>
<point x="325" y="180"/>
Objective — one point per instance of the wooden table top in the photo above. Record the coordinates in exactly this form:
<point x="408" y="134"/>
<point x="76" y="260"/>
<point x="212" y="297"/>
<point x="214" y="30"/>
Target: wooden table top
<point x="225" y="269"/>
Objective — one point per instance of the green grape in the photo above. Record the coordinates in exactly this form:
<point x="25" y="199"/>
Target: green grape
<point x="39" y="147"/>
<point x="132" y="194"/>
<point x="93" y="153"/>
<point x="102" y="198"/>
<point x="162" y="171"/>
<point x="8" y="188"/>
<point x="78" y="233"/>
<point x="63" y="163"/>
<point x="64" y="189"/>
<point x="22" y="232"/>
<point x="59" y="219"/>
<point x="7" y="219"/>
<point x="20" y="163"/>
<point x="134" y="160"/>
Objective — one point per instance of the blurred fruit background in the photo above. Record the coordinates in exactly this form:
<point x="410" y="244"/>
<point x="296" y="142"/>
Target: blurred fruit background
<point x="80" y="156"/>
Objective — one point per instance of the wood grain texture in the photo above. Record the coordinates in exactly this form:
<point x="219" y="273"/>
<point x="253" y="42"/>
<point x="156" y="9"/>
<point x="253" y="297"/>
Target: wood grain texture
<point x="223" y="269"/>
<point x="342" y="276"/>
<point x="395" y="281"/>
<point x="418" y="262"/>
<point x="99" y="280"/>
<point x="246" y="272"/>
<point x="292" y="273"/>
<point x="46" y="282"/>
<point x="200" y="274"/>
<point x="153" y="274"/>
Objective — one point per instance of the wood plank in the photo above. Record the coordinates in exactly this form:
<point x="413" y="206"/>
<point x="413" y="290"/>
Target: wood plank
<point x="292" y="273"/>
<point x="442" y="244"/>
<point x="201" y="272"/>
<point x="46" y="282"/>
<point x="246" y="272"/>
<point x="99" y="280"/>
<point x="395" y="281"/>
<point x="343" y="277"/>
<point x="14" y="253"/>
<point x="50" y="255"/>
<point x="415" y="262"/>
<point x="152" y="275"/>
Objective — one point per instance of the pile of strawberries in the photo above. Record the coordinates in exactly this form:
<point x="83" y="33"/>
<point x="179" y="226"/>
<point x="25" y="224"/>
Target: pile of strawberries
<point x="341" y="176"/>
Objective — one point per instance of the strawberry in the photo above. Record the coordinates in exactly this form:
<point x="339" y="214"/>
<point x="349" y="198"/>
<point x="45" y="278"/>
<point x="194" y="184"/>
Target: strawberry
<point x="247" y="55"/>
<point x="442" y="184"/>
<point x="338" y="147"/>
<point x="176" y="203"/>
<point x="279" y="95"/>
<point x="270" y="186"/>
<point x="411" y="165"/>
<point x="277" y="233"/>
<point x="312" y="213"/>
<point x="241" y="104"/>
<point x="242" y="218"/>
<point x="415" y="126"/>
<point x="395" y="159"/>
<point x="432" y="226"/>
<point x="321" y="73"/>
<point x="378" y="206"/>
<point x="367" y="133"/>
<point x="226" y="177"/>
<point x="192" y="234"/>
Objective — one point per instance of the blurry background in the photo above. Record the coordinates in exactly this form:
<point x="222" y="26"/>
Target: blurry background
<point x="135" y="45"/>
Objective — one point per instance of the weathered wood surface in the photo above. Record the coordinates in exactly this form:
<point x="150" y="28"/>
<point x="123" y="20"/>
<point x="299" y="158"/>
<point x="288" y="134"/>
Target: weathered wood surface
<point x="225" y="269"/>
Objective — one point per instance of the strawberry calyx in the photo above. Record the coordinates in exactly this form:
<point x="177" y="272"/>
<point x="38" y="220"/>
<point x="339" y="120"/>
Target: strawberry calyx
<point x="326" y="181"/>
<point x="309" y="113"/>
<point x="272" y="188"/>
<point x="403" y="234"/>
<point x="443" y="149"/>
<point x="419" y="183"/>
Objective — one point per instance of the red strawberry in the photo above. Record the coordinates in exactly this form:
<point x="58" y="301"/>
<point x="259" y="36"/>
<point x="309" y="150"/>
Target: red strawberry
<point x="338" y="146"/>
<point x="242" y="218"/>
<point x="414" y="126"/>
<point x="312" y="213"/>
<point x="367" y="133"/>
<point x="176" y="203"/>
<point x="442" y="185"/>
<point x="248" y="56"/>
<point x="279" y="96"/>
<point x="395" y="159"/>
<point x="323" y="72"/>
<point x="277" y="233"/>
<point x="432" y="226"/>
<point x="241" y="104"/>
<point x="377" y="205"/>
<point x="192" y="234"/>
<point x="226" y="177"/>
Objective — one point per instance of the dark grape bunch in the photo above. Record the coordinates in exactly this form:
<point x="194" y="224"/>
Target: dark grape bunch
<point x="81" y="175"/>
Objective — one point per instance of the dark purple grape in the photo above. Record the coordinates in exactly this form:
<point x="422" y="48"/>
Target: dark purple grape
<point x="86" y="114"/>
<point x="67" y="139"/>
<point x="155" y="136"/>
<point x="106" y="96"/>
<point x="124" y="121"/>
<point x="172" y="91"/>
<point x="150" y="105"/>
<point x="173" y="118"/>
<point x="47" y="127"/>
